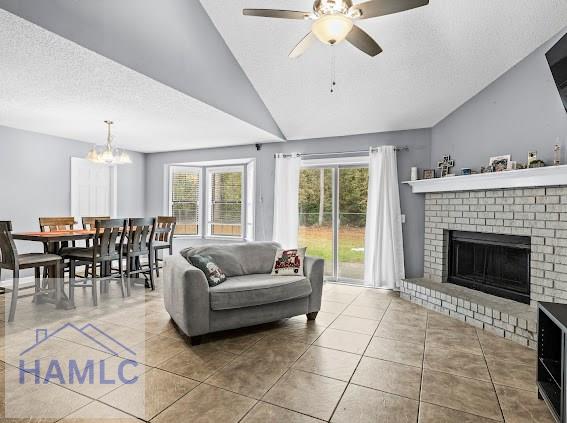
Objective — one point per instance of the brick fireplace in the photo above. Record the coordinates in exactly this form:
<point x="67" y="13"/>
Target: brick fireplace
<point x="537" y="214"/>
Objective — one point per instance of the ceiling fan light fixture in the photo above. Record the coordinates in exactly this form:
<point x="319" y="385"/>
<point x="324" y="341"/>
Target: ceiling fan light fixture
<point x="332" y="29"/>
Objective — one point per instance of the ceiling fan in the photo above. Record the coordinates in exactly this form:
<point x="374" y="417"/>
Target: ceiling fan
<point x="334" y="21"/>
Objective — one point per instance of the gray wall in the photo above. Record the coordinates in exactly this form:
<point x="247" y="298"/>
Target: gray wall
<point x="519" y="112"/>
<point x="146" y="34"/>
<point x="412" y="205"/>
<point x="35" y="180"/>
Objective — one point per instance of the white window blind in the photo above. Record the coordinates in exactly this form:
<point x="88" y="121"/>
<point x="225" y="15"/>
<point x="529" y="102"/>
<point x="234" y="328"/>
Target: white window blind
<point x="185" y="199"/>
<point x="225" y="189"/>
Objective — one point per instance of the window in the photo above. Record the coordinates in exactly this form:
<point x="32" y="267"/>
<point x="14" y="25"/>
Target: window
<point x="225" y="192"/>
<point x="213" y="199"/>
<point x="185" y="199"/>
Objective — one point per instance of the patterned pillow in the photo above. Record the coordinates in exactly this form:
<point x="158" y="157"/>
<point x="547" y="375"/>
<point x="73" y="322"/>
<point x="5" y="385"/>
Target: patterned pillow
<point x="215" y="275"/>
<point x="289" y="262"/>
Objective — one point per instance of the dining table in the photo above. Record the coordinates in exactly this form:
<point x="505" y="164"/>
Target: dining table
<point x="53" y="240"/>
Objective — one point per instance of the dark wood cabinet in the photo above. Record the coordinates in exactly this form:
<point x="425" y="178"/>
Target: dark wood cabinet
<point x="552" y="338"/>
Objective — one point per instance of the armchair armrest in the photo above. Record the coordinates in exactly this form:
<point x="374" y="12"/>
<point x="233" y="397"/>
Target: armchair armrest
<point x="313" y="269"/>
<point x="186" y="295"/>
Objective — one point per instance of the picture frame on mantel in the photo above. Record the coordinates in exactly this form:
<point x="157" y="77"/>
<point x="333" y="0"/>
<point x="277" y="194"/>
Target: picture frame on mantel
<point x="428" y="174"/>
<point x="500" y="163"/>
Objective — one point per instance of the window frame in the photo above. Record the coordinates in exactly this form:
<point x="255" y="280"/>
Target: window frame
<point x="210" y="170"/>
<point x="248" y="169"/>
<point x="199" y="171"/>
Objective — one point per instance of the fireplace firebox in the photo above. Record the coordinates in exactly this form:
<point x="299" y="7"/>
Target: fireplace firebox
<point x="491" y="263"/>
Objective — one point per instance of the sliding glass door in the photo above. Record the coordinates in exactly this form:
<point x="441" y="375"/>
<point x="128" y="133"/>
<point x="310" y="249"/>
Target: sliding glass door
<point x="352" y="193"/>
<point x="316" y="214"/>
<point x="332" y="218"/>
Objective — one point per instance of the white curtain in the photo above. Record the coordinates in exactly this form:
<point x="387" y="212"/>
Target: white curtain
<point x="286" y="200"/>
<point x="384" y="248"/>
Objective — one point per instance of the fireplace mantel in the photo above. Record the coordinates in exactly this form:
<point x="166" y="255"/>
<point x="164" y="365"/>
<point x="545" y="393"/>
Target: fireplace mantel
<point x="538" y="177"/>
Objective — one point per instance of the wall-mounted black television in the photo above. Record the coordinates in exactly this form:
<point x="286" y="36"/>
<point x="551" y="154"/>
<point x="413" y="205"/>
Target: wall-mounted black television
<point x="557" y="59"/>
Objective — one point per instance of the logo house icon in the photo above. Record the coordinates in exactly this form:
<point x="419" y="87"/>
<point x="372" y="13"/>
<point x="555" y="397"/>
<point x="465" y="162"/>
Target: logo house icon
<point x="80" y="370"/>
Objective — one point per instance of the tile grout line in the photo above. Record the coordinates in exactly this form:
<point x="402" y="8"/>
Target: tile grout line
<point x="476" y="336"/>
<point x="99" y="399"/>
<point x="422" y="365"/>
<point x="237" y="393"/>
<point x="358" y="364"/>
<point x="92" y="399"/>
<point x="81" y="394"/>
<point x="310" y="345"/>
<point x="423" y="370"/>
<point x="490" y="374"/>
<point x="211" y="375"/>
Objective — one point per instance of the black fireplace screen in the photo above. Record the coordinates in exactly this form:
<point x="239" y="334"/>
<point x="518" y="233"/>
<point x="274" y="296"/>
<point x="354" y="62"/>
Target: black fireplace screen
<point x="495" y="264"/>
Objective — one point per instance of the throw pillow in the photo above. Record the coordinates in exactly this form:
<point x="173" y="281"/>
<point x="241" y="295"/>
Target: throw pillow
<point x="289" y="262"/>
<point x="215" y="275"/>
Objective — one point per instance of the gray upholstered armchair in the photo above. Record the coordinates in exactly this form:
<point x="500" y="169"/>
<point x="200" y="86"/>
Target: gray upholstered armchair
<point x="250" y="295"/>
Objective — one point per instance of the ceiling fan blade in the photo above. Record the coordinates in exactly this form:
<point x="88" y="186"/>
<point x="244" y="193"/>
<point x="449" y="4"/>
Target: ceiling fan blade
<point x="273" y="13"/>
<point x="364" y="42"/>
<point x="302" y="46"/>
<point x="375" y="8"/>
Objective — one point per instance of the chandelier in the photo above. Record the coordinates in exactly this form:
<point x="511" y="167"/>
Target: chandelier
<point x="109" y="155"/>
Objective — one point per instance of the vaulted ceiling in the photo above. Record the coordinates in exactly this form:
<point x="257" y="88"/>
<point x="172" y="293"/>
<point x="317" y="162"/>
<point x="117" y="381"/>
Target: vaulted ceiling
<point x="435" y="58"/>
<point x="158" y="68"/>
<point x="54" y="86"/>
<point x="179" y="74"/>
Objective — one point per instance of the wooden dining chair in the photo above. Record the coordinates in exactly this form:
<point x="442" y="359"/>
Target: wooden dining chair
<point x="11" y="260"/>
<point x="139" y="243"/>
<point x="107" y="247"/>
<point x="165" y="229"/>
<point x="89" y="225"/>
<point x="50" y="224"/>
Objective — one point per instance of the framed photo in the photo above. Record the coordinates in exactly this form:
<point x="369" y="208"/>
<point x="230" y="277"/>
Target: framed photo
<point x="500" y="163"/>
<point x="428" y="173"/>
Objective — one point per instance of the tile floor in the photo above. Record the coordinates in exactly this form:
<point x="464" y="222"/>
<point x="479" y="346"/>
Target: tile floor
<point x="369" y="357"/>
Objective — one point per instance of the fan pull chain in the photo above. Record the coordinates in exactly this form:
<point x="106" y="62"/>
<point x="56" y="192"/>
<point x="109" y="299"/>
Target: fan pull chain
<point x="333" y="70"/>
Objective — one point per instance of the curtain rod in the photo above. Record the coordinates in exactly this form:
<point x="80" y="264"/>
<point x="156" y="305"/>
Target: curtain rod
<point x="340" y="153"/>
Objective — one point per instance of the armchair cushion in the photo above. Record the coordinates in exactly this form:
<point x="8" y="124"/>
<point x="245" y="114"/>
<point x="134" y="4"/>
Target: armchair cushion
<point x="257" y="289"/>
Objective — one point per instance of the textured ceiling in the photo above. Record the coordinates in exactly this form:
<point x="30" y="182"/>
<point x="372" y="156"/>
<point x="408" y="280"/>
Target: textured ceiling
<point x="52" y="85"/>
<point x="435" y="58"/>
